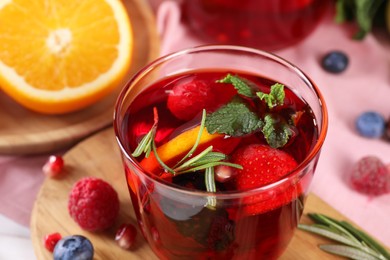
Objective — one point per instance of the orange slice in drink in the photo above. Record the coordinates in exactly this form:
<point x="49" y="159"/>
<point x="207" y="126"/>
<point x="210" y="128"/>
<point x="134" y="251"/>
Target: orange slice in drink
<point x="59" y="56"/>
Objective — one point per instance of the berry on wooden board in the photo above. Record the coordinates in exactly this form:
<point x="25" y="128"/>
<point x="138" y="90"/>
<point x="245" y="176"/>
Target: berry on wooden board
<point x="93" y="204"/>
<point x="74" y="247"/>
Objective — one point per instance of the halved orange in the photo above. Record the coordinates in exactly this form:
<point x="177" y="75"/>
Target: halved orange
<point x="58" y="56"/>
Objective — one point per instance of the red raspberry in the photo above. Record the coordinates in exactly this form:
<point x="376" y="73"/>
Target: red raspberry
<point x="50" y="241"/>
<point x="191" y="95"/>
<point x="93" y="204"/>
<point x="370" y="176"/>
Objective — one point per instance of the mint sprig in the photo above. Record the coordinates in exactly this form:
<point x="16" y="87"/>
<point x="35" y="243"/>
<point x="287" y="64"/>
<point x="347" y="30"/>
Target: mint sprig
<point x="237" y="118"/>
<point x="353" y="243"/>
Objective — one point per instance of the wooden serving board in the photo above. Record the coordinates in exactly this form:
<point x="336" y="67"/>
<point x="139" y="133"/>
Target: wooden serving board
<point x="99" y="156"/>
<point x="25" y="132"/>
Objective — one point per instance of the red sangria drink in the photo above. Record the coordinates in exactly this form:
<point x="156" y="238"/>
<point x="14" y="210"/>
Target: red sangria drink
<point x="219" y="145"/>
<point x="264" y="24"/>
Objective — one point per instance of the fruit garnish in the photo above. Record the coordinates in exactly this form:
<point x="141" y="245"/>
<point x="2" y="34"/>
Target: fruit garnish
<point x="224" y="173"/>
<point x="74" y="247"/>
<point x="187" y="99"/>
<point x="353" y="243"/>
<point x="370" y="124"/>
<point x="204" y="160"/>
<point x="58" y="57"/>
<point x="53" y="166"/>
<point x="335" y="62"/>
<point x="370" y="176"/>
<point x="50" y="241"/>
<point x="93" y="204"/>
<point x="188" y="142"/>
<point x="125" y="236"/>
<point x="262" y="165"/>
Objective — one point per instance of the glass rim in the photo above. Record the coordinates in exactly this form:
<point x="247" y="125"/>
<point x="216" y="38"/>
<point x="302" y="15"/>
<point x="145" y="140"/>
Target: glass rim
<point x="225" y="194"/>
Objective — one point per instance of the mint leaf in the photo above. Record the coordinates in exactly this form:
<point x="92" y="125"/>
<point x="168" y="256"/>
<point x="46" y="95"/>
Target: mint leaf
<point x="234" y="119"/>
<point x="276" y="131"/>
<point x="275" y="97"/>
<point x="243" y="86"/>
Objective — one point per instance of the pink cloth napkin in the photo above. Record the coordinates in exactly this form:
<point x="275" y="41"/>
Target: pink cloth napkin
<point x="363" y="86"/>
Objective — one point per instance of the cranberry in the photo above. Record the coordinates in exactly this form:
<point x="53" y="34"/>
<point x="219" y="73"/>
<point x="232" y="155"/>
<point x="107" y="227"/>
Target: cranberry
<point x="50" y="241"/>
<point x="53" y="166"/>
<point x="125" y="236"/>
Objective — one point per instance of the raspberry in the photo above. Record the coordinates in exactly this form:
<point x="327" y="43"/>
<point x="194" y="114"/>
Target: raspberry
<point x="93" y="204"/>
<point x="50" y="241"/>
<point x="370" y="176"/>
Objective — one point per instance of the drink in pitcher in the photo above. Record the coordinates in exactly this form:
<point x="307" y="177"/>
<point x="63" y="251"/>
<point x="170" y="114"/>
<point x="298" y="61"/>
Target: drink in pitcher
<point x="219" y="145"/>
<point x="263" y="24"/>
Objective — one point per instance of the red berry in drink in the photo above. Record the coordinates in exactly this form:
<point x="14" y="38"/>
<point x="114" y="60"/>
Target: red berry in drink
<point x="50" y="241"/>
<point x="370" y="176"/>
<point x="53" y="166"/>
<point x="224" y="173"/>
<point x="262" y="165"/>
<point x="187" y="99"/>
<point x="125" y="236"/>
<point x="93" y="204"/>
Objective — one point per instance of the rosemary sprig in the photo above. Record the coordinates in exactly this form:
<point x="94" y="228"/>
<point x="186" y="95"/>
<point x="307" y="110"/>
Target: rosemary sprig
<point x="145" y="146"/>
<point x="205" y="160"/>
<point x="210" y="187"/>
<point x="354" y="243"/>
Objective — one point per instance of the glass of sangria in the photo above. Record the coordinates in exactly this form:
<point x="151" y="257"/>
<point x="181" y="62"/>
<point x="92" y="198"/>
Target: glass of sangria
<point x="263" y="24"/>
<point x="219" y="145"/>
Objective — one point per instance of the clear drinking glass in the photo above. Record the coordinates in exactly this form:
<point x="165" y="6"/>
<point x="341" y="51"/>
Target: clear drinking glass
<point x="175" y="220"/>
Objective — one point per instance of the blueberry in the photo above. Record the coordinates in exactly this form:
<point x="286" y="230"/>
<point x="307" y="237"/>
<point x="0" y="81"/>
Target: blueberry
<point x="74" y="247"/>
<point x="335" y="62"/>
<point x="370" y="124"/>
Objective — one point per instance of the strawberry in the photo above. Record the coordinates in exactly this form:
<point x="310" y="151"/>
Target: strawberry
<point x="262" y="165"/>
<point x="187" y="99"/>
